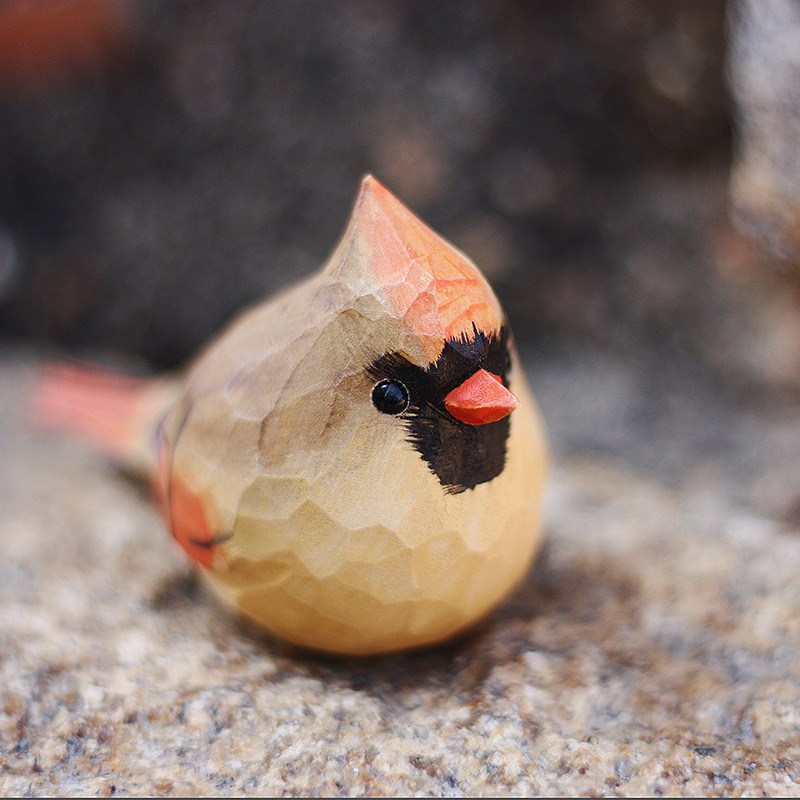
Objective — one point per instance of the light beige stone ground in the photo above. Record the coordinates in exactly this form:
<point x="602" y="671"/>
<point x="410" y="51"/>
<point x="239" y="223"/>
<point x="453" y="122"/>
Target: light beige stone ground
<point x="655" y="649"/>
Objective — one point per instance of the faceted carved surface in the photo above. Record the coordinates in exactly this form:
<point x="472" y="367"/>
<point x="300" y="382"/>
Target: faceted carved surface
<point x="323" y="522"/>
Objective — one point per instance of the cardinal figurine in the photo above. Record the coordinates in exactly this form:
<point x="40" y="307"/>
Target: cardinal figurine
<point x="357" y="463"/>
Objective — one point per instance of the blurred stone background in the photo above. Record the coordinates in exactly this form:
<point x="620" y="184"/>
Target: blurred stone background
<point x="626" y="174"/>
<point x="198" y="155"/>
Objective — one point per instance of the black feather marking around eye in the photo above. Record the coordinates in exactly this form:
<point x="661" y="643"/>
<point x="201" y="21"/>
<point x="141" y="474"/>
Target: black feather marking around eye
<point x="460" y="455"/>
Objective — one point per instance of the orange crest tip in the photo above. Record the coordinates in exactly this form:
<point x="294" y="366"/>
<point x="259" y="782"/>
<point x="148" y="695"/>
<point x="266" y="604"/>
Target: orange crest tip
<point x="417" y="275"/>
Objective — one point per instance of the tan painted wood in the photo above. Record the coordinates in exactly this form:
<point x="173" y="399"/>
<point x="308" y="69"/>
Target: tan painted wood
<point x="327" y="526"/>
<point x="335" y="517"/>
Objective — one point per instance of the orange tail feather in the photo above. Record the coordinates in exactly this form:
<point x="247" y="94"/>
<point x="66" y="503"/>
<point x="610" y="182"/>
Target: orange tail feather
<point x="115" y="413"/>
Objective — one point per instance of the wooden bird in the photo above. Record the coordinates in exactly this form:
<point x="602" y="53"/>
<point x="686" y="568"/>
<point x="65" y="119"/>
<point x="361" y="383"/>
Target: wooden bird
<point x="357" y="463"/>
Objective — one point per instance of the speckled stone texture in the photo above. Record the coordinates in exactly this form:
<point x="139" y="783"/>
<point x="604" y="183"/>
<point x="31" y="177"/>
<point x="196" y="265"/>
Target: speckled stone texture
<point x="654" y="649"/>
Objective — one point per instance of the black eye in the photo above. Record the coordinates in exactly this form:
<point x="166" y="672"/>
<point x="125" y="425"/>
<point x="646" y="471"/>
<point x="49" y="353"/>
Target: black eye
<point x="390" y="397"/>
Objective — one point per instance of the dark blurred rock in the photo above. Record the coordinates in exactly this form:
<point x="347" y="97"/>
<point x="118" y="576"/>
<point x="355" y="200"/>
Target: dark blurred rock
<point x="10" y="264"/>
<point x="154" y="203"/>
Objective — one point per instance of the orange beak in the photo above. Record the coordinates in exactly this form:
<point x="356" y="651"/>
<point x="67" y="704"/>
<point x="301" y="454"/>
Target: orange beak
<point x="480" y="399"/>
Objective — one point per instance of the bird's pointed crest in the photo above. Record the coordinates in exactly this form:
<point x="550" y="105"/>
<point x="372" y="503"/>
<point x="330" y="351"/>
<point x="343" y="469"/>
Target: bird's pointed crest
<point x="416" y="274"/>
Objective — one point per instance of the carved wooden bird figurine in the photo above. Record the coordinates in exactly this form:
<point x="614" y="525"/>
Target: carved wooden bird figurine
<point x="357" y="463"/>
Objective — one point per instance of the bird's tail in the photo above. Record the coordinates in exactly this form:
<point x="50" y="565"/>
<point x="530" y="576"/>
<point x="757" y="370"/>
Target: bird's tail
<point x="116" y="414"/>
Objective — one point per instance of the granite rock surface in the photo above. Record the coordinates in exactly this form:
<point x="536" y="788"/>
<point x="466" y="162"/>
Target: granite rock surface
<point x="653" y="649"/>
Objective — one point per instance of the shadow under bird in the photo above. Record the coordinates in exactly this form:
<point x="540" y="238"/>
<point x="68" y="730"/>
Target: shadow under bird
<point x="356" y="463"/>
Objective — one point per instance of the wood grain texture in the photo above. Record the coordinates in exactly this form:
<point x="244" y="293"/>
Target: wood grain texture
<point x="333" y="531"/>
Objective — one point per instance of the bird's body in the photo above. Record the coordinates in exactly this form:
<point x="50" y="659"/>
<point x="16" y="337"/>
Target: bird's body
<point x="357" y="463"/>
